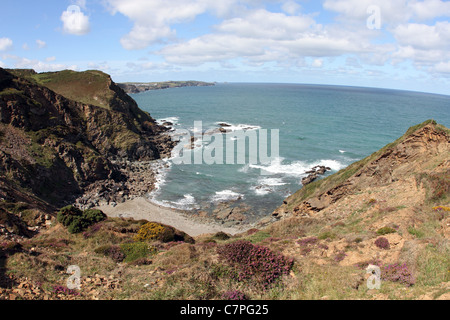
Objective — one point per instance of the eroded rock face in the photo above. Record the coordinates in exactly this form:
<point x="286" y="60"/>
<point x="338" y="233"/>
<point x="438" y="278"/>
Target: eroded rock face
<point x="412" y="155"/>
<point x="53" y="148"/>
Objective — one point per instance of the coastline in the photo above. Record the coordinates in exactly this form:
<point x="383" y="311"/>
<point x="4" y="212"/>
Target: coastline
<point x="142" y="208"/>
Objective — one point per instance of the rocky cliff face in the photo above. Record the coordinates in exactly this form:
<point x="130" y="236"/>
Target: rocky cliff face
<point x="54" y="148"/>
<point x="420" y="157"/>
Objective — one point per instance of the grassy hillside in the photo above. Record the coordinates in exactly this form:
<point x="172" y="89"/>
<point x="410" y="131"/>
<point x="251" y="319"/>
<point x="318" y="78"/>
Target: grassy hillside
<point x="337" y="179"/>
<point x="89" y="87"/>
<point x="401" y="225"/>
<point x="53" y="147"/>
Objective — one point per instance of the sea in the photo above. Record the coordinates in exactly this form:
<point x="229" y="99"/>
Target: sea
<point x="310" y="125"/>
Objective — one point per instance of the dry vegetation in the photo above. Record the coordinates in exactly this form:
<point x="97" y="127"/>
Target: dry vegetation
<point x="305" y="255"/>
<point x="329" y="261"/>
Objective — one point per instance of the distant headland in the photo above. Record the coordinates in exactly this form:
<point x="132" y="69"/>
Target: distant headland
<point x="136" y="87"/>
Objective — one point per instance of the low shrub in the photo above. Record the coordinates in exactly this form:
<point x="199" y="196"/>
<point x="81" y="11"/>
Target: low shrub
<point x="255" y="263"/>
<point x="67" y="214"/>
<point x="136" y="250"/>
<point x="340" y="256"/>
<point x="365" y="264"/>
<point x="92" y="230"/>
<point x="234" y="295"/>
<point x="308" y="241"/>
<point x="382" y="243"/>
<point x="385" y="230"/>
<point x="156" y="231"/>
<point x="221" y="236"/>
<point x="66" y="291"/>
<point x="141" y="262"/>
<point x="93" y="216"/>
<point x="397" y="273"/>
<point x="441" y="208"/>
<point x="149" y="231"/>
<point x="10" y="247"/>
<point x="114" y="252"/>
<point x="415" y="232"/>
<point x="76" y="220"/>
<point x="326" y="235"/>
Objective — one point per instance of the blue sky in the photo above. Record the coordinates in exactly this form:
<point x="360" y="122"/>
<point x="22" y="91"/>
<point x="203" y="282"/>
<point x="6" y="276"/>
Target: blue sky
<point x="401" y="44"/>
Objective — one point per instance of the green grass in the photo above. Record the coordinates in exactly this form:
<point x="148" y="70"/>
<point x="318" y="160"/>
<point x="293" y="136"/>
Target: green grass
<point x="90" y="87"/>
<point x="416" y="232"/>
<point x="10" y="91"/>
<point x="326" y="235"/>
<point x="258" y="236"/>
<point x="434" y="265"/>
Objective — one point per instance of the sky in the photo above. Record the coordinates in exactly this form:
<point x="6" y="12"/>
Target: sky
<point x="397" y="44"/>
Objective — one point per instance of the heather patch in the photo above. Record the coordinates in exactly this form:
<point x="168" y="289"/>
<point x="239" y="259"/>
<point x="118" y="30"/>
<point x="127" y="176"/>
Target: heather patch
<point x="255" y="264"/>
<point x="397" y="273"/>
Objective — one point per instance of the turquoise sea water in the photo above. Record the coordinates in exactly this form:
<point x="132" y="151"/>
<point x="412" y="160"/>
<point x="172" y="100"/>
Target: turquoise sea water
<point x="327" y="125"/>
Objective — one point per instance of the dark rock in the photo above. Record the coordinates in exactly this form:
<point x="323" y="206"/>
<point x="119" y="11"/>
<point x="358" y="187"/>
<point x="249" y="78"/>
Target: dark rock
<point x="314" y="173"/>
<point x="81" y="151"/>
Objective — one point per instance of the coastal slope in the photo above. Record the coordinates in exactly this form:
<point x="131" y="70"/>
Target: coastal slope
<point x="388" y="211"/>
<point x="420" y="158"/>
<point x="64" y="134"/>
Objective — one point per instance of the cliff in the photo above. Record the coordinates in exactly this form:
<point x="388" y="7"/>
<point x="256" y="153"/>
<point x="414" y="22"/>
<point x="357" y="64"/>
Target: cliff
<point x="420" y="157"/>
<point x="65" y="133"/>
<point x="390" y="210"/>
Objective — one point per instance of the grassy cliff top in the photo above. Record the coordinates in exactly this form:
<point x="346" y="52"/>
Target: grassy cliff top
<point x="89" y="87"/>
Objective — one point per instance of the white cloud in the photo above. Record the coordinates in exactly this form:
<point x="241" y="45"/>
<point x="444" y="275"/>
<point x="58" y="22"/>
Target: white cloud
<point x="75" y="21"/>
<point x="37" y="65"/>
<point x="258" y="36"/>
<point x="41" y="44"/>
<point x="146" y="66"/>
<point x="153" y="20"/>
<point x="5" y="44"/>
<point x="25" y="46"/>
<point x="418" y="56"/>
<point x="442" y="67"/>
<point x="393" y="12"/>
<point x="267" y="25"/>
<point x="80" y="3"/>
<point x="430" y="9"/>
<point x="291" y="7"/>
<point x="317" y="63"/>
<point x="355" y="11"/>
<point x="422" y="36"/>
<point x="248" y="33"/>
<point x="211" y="48"/>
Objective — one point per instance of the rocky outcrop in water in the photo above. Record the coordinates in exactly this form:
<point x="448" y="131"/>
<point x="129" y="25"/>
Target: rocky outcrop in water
<point x="314" y="173"/>
<point x="421" y="155"/>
